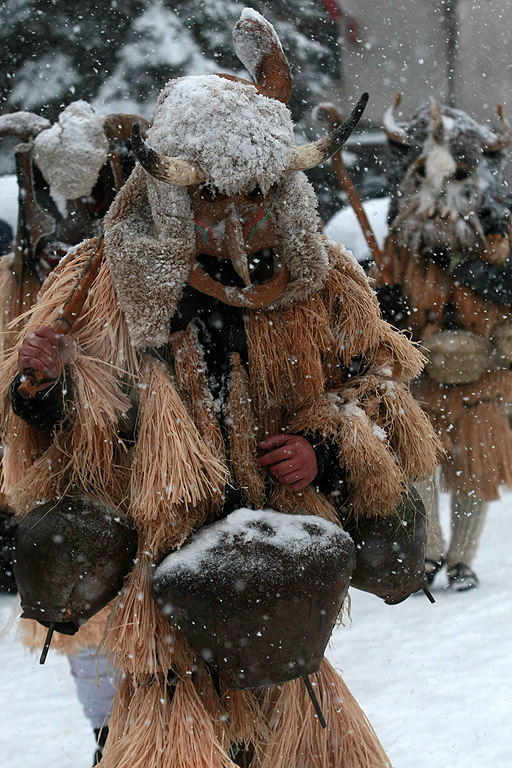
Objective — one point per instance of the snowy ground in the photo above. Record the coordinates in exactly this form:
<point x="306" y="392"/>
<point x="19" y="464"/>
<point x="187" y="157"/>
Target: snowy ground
<point x="344" y="227"/>
<point x="9" y="200"/>
<point x="435" y="680"/>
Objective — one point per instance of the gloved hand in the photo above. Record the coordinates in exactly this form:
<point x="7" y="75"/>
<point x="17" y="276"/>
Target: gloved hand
<point x="46" y="351"/>
<point x="291" y="460"/>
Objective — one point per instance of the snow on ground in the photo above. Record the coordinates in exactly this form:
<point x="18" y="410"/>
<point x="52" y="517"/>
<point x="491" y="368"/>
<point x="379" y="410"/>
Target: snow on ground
<point x="344" y="227"/>
<point x="435" y="680"/>
<point x="9" y="200"/>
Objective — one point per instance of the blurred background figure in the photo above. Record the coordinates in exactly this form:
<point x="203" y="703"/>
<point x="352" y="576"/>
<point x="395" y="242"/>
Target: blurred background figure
<point x="68" y="173"/>
<point x="446" y="277"/>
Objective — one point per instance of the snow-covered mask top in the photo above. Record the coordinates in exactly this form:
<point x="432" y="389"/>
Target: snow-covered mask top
<point x="68" y="175"/>
<point x="239" y="138"/>
<point x="449" y="181"/>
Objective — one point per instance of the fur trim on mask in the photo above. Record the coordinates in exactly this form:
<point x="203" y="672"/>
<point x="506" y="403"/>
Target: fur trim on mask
<point x="301" y="246"/>
<point x="149" y="242"/>
<point x="71" y="153"/>
<point x="239" y="138"/>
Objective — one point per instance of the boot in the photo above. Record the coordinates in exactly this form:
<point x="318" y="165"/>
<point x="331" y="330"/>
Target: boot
<point x="461" y="578"/>
<point x="468" y="518"/>
<point x="432" y="568"/>
<point x="101" y="737"/>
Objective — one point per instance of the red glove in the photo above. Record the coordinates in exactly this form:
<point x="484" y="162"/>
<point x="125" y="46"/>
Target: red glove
<point x="291" y="460"/>
<point x="46" y="351"/>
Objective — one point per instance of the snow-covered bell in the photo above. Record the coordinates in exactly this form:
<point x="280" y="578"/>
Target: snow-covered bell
<point x="257" y="593"/>
<point x="70" y="557"/>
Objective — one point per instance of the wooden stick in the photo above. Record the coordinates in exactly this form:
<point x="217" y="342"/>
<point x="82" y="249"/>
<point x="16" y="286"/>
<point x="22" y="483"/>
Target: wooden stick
<point x="31" y="378"/>
<point x="355" y="201"/>
<point x="349" y="188"/>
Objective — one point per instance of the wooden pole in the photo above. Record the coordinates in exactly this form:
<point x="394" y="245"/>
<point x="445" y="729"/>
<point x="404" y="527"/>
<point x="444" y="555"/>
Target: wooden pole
<point x="349" y="188"/>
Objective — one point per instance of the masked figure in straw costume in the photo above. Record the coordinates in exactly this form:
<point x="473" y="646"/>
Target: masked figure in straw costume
<point x="68" y="174"/>
<point x="447" y="278"/>
<point x="228" y="360"/>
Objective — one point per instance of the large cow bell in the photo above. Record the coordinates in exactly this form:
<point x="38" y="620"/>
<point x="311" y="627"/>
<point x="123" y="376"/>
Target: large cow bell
<point x="390" y="551"/>
<point x="257" y="593"/>
<point x="70" y="558"/>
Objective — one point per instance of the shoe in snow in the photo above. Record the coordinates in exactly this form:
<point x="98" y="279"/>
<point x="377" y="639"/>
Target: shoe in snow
<point x="432" y="568"/>
<point x="462" y="578"/>
<point x="101" y="737"/>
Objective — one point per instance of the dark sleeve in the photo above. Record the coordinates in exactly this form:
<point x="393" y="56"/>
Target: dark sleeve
<point x="46" y="409"/>
<point x="330" y="478"/>
<point x="491" y="281"/>
<point x="393" y="305"/>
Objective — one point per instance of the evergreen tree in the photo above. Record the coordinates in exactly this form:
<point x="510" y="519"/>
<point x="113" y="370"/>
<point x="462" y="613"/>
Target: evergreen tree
<point x="55" y="51"/>
<point x="119" y="55"/>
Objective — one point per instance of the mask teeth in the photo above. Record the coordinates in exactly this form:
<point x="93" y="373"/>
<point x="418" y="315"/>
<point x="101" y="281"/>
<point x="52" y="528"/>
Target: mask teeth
<point x="236" y="247"/>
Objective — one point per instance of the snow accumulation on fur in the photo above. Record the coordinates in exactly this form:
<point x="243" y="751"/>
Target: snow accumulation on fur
<point x="239" y="138"/>
<point x="23" y="124"/>
<point x="71" y="153"/>
<point x="295" y="535"/>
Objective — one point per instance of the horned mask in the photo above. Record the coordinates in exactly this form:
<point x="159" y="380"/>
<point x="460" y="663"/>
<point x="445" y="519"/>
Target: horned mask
<point x="220" y="176"/>
<point x="447" y="174"/>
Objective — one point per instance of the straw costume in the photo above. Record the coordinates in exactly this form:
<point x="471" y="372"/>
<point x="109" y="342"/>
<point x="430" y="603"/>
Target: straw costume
<point x="447" y="255"/>
<point x="220" y="316"/>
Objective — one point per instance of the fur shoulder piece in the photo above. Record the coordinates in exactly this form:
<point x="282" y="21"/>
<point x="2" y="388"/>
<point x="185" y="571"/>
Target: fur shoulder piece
<point x="150" y="244"/>
<point x="149" y="241"/>
<point x="301" y="244"/>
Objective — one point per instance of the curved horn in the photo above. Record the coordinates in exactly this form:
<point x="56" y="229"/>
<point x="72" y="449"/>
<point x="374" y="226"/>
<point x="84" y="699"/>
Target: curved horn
<point x="501" y="137"/>
<point x="258" y="48"/>
<point x="172" y="170"/>
<point x="24" y="125"/>
<point x="436" y="120"/>
<point x="118" y="127"/>
<point x="394" y="131"/>
<point x="313" y="154"/>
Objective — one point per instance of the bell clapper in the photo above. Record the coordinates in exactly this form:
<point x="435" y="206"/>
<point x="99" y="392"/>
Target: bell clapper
<point x="314" y="699"/>
<point x="429" y="594"/>
<point x="47" y="642"/>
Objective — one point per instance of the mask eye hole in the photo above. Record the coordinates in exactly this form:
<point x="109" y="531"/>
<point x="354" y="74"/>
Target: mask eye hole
<point x="255" y="193"/>
<point x="210" y="192"/>
<point x="420" y="171"/>
<point x="461" y="174"/>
